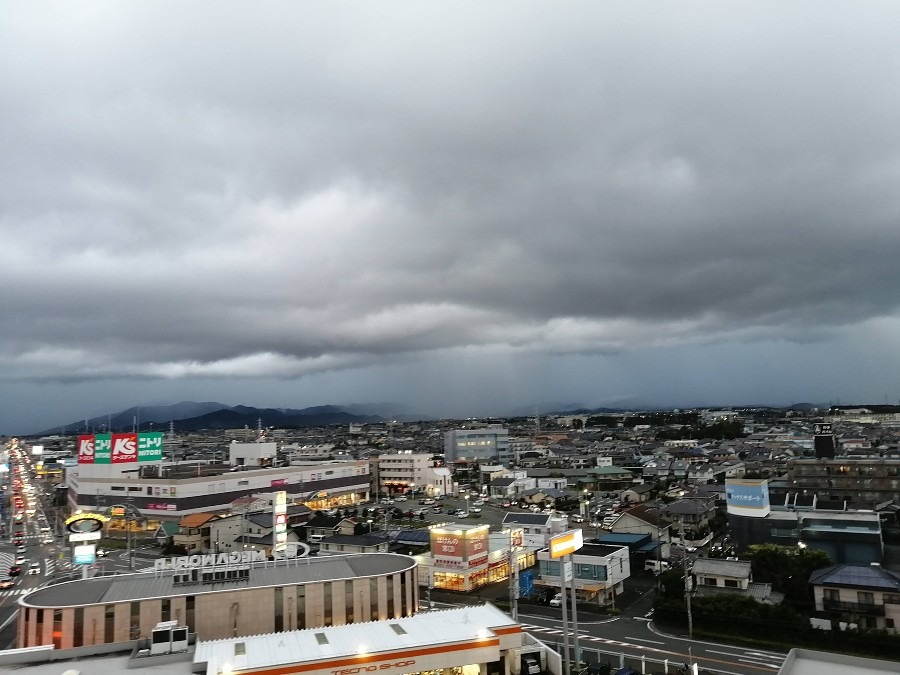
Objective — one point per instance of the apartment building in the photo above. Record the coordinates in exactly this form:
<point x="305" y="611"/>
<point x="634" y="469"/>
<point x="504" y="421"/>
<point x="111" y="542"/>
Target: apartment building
<point x="484" y="444"/>
<point x="402" y="472"/>
<point x="862" y="482"/>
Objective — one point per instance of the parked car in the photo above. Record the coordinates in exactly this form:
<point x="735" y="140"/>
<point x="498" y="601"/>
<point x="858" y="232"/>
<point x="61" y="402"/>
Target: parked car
<point x="656" y="566"/>
<point x="556" y="601"/>
<point x="478" y="502"/>
<point x="576" y="518"/>
<point x="475" y="509"/>
<point x="401" y="498"/>
<point x="505" y="504"/>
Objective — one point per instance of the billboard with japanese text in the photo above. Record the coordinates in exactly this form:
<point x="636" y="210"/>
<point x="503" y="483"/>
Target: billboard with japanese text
<point x="747" y="497"/>
<point x="120" y="448"/>
<point x="460" y="548"/>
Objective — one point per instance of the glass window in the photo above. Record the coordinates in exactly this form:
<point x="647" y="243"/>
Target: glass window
<point x="390" y="597"/>
<point x="301" y="607"/>
<point x="279" y="610"/>
<point x="348" y="601"/>
<point x="109" y="623"/>
<point x="327" y="606"/>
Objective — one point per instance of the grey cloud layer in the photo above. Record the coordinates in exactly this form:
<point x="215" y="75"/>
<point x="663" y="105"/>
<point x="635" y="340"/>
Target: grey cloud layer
<point x="204" y="191"/>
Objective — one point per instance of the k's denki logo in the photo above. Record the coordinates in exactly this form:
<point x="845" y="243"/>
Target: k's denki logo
<point x="86" y="447"/>
<point x="124" y="447"/>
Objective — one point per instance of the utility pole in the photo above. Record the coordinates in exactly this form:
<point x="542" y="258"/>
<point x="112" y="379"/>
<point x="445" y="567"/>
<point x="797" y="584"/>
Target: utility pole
<point x="513" y="579"/>
<point x="563" y="569"/>
<point x="687" y="579"/>
<point x="577" y="658"/>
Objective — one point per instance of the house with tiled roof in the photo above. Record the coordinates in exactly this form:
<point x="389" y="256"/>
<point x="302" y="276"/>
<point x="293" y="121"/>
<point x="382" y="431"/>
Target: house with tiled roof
<point x="715" y="575"/>
<point x="193" y="532"/>
<point x="868" y="596"/>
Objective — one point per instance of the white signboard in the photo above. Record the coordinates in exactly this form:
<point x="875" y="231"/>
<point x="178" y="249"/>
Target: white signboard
<point x="85" y="536"/>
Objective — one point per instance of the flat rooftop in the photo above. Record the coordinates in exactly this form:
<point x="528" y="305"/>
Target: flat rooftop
<point x="161" y="584"/>
<point x="809" y="662"/>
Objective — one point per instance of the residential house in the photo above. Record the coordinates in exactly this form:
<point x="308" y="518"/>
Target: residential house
<point x="321" y="525"/>
<point x="638" y="493"/>
<point x="510" y="486"/>
<point x="716" y="575"/>
<point x="245" y="531"/>
<point x="642" y="519"/>
<point x="606" y="479"/>
<point x="868" y="596"/>
<point x="165" y="533"/>
<point x="342" y="544"/>
<point x="193" y="532"/>
<point x="537" y="528"/>
<point x="694" y="514"/>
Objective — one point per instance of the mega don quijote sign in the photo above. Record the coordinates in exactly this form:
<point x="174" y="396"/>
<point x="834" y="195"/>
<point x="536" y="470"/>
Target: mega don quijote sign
<point x="120" y="448"/>
<point x="187" y="562"/>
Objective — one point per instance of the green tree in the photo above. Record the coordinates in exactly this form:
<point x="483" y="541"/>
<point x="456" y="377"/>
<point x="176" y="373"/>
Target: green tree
<point x="788" y="569"/>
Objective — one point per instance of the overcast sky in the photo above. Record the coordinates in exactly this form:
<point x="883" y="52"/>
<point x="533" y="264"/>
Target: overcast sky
<point x="466" y="208"/>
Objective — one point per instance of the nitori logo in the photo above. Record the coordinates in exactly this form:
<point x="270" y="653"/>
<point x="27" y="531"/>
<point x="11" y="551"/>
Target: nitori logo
<point x="124" y="446"/>
<point x="86" y="447"/>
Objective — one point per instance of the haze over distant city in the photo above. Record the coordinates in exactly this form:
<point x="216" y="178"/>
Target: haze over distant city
<point x="467" y="209"/>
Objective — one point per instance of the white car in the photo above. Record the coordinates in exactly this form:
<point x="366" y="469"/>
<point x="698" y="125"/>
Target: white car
<point x="478" y="502"/>
<point x="401" y="498"/>
<point x="556" y="600"/>
<point x="34" y="567"/>
<point x="475" y="509"/>
<point x="102" y="552"/>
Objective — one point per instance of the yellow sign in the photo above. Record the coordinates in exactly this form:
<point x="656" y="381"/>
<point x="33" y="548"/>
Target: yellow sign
<point x="566" y="543"/>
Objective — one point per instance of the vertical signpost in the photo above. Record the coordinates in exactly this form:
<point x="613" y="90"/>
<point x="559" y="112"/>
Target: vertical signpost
<point x="279" y="511"/>
<point x="562" y="547"/>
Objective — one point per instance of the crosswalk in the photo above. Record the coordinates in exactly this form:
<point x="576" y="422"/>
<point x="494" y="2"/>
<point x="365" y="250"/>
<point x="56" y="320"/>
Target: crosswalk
<point x="556" y="632"/>
<point x="13" y="592"/>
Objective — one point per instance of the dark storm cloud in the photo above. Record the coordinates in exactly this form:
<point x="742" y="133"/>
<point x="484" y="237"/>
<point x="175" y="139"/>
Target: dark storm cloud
<point x="209" y="191"/>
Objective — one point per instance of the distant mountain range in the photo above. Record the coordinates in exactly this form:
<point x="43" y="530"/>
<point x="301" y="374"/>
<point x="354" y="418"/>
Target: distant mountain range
<point x="194" y="416"/>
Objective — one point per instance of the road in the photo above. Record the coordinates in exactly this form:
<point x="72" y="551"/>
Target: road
<point x="637" y="637"/>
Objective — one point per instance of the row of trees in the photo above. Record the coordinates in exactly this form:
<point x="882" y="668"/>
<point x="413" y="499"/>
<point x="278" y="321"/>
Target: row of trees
<point x="780" y="625"/>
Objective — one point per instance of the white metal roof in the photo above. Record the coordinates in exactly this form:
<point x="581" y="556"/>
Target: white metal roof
<point x="465" y="624"/>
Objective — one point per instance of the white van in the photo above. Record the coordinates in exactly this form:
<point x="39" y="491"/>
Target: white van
<point x="656" y="566"/>
<point x="315" y="538"/>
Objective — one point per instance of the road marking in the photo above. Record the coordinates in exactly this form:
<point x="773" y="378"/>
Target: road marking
<point x="653" y="642"/>
<point x="760" y="663"/>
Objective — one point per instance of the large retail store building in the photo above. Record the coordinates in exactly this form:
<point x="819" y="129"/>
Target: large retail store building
<point x="221" y="601"/>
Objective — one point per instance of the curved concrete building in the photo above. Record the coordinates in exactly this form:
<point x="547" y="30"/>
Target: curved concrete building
<point x="221" y="601"/>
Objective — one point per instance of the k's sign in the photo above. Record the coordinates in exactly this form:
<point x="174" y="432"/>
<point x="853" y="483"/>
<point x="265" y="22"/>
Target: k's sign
<point x="120" y="448"/>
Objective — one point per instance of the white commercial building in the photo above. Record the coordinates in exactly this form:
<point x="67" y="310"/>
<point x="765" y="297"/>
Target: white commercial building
<point x="404" y="472"/>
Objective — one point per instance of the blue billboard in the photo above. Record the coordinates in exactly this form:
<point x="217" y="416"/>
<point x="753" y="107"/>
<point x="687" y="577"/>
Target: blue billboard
<point x="747" y="497"/>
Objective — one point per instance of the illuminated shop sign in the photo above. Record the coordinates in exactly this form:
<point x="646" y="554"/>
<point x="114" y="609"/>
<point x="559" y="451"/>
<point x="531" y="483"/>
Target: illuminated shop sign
<point x="120" y="448"/>
<point x="85" y="522"/>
